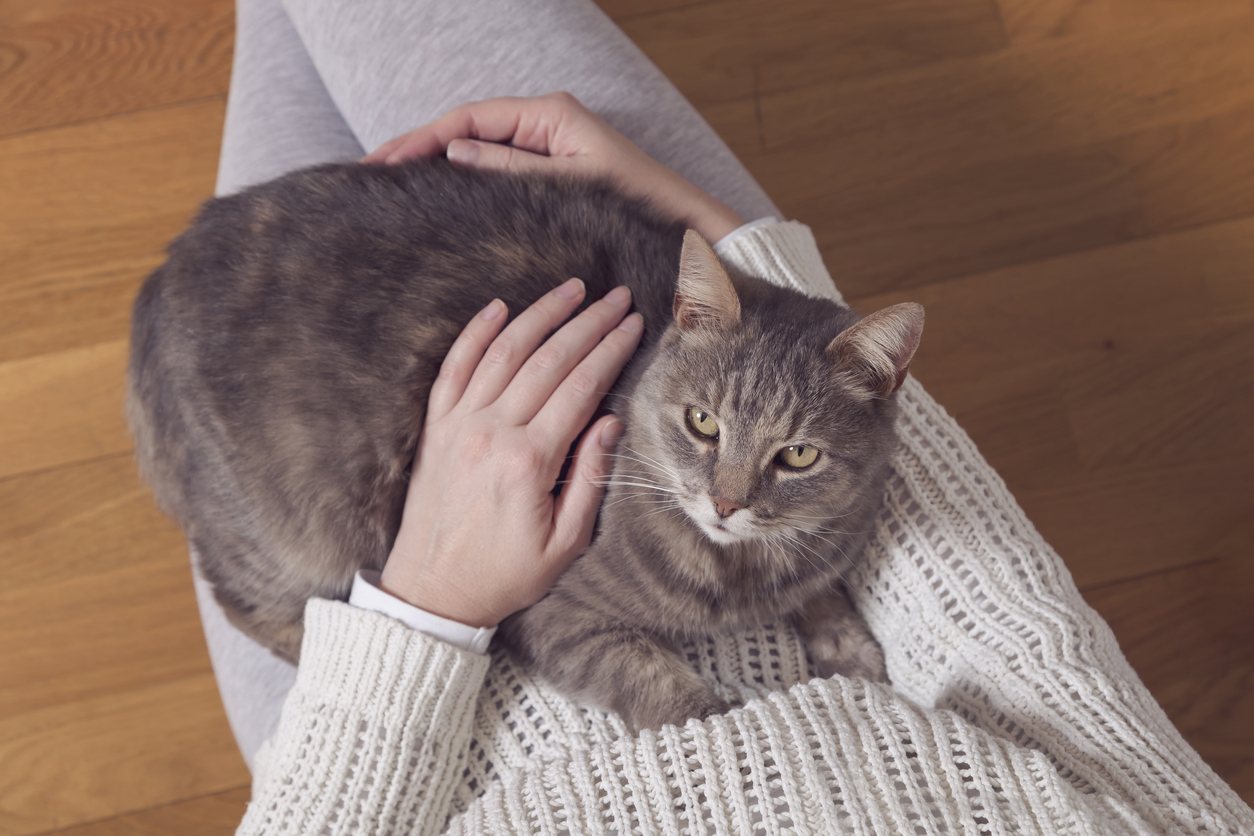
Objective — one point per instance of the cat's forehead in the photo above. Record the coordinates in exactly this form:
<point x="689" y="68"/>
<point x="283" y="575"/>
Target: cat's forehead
<point x="775" y="385"/>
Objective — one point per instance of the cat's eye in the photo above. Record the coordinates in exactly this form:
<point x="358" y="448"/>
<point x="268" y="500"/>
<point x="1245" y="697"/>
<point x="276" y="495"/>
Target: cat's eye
<point x="702" y="423"/>
<point x="798" y="456"/>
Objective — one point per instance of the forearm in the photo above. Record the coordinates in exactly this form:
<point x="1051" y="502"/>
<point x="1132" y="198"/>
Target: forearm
<point x="372" y="733"/>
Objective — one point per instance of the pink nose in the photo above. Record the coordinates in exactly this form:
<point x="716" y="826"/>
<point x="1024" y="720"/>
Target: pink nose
<point x="725" y="507"/>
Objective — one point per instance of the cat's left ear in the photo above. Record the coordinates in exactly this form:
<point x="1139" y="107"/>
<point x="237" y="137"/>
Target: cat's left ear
<point x="704" y="296"/>
<point x="875" y="353"/>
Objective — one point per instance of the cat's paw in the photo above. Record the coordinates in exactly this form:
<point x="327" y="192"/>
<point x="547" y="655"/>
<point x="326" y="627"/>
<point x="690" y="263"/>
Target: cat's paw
<point x="697" y="704"/>
<point x="853" y="654"/>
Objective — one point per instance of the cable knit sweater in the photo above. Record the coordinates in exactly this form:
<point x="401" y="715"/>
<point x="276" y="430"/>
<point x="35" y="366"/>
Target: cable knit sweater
<point x="1012" y="709"/>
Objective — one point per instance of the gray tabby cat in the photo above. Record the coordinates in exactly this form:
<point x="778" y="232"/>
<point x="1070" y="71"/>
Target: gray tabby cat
<point x="282" y="356"/>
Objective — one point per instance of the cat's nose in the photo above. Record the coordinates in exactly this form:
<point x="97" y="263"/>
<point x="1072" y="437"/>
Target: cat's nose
<point x="725" y="507"/>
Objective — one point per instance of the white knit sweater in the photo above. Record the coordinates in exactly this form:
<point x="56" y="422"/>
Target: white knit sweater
<point x="1012" y="709"/>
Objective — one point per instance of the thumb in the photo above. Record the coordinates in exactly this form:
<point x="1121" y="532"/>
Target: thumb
<point x="493" y="156"/>
<point x="575" y="512"/>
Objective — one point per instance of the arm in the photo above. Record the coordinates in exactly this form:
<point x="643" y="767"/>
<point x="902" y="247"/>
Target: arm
<point x="373" y="733"/>
<point x="555" y="134"/>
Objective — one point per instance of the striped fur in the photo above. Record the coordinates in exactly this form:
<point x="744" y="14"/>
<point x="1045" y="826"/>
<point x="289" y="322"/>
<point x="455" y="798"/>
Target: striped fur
<point x="280" y="365"/>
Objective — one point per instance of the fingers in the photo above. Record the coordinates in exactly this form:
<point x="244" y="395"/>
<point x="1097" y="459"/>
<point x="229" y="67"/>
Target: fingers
<point x="463" y="358"/>
<point x="493" y="156"/>
<point x="495" y="120"/>
<point x="575" y="511"/>
<point x="549" y="366"/>
<point x="530" y="124"/>
<point x="571" y="406"/>
<point x="507" y="353"/>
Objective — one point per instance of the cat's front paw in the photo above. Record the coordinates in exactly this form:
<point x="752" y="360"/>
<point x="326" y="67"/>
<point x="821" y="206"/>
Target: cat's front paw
<point x="838" y="640"/>
<point x="700" y="703"/>
<point x="853" y="655"/>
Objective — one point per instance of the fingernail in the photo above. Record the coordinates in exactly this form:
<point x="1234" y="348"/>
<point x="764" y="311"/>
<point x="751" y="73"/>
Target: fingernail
<point x="493" y="311"/>
<point x="631" y="323"/>
<point x="462" y="152"/>
<point x="618" y="296"/>
<point x="610" y="434"/>
<point x="571" y="289"/>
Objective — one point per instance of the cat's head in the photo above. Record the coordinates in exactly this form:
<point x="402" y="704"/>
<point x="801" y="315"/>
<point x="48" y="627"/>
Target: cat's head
<point x="766" y="412"/>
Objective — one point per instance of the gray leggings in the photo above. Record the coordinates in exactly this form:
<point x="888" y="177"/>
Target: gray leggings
<point x="318" y="81"/>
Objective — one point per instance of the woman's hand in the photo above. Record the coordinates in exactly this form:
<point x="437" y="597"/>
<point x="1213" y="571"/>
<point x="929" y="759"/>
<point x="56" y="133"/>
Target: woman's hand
<point x="556" y="134"/>
<point x="482" y="535"/>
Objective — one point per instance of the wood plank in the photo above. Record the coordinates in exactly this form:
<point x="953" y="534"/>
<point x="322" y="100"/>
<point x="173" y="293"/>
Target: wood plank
<point x="63" y="407"/>
<point x="108" y="700"/>
<point x="1029" y="21"/>
<point x="1029" y="154"/>
<point x="763" y="46"/>
<point x="115" y="754"/>
<point x="1076" y="308"/>
<point x="87" y="213"/>
<point x="1069" y="92"/>
<point x="92" y="60"/>
<point x="212" y="815"/>
<point x="1111" y="390"/>
<point x="1188" y="634"/>
<point x="883" y="226"/>
<point x="77" y="543"/>
<point x="79" y="519"/>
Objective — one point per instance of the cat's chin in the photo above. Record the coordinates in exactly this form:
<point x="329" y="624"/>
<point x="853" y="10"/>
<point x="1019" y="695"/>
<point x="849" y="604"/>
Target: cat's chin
<point x="721" y="536"/>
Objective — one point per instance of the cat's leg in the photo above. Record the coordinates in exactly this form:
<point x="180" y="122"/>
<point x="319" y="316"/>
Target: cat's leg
<point x="838" y="639"/>
<point x="608" y="664"/>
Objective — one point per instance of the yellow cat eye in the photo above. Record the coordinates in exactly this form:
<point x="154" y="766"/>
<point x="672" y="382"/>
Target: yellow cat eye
<point x="798" y="456"/>
<point x="701" y="422"/>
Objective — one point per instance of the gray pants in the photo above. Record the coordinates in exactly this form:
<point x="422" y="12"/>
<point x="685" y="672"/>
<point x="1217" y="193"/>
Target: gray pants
<point x="318" y="81"/>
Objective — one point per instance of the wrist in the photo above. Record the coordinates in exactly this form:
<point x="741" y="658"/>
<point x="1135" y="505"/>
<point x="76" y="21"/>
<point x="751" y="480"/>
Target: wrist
<point x="434" y="597"/>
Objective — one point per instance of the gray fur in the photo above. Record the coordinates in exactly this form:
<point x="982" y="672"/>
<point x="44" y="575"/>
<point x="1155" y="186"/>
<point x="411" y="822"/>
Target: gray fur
<point x="281" y="360"/>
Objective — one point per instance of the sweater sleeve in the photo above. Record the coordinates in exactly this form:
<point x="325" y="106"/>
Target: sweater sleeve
<point x="373" y="734"/>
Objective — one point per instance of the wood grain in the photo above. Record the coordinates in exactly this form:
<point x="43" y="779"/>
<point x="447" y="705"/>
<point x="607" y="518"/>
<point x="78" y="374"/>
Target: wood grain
<point x="100" y="59"/>
<point x="1188" y="633"/>
<point x="115" y="753"/>
<point x="749" y="48"/>
<point x="63" y="407"/>
<point x="87" y="212"/>
<point x="1028" y="21"/>
<point x="1105" y="384"/>
<point x="883" y="226"/>
<point x="212" y="815"/>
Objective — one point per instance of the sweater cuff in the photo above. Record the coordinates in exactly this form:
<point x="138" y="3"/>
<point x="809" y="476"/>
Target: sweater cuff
<point x="368" y="594"/>
<point x="354" y="658"/>
<point x="783" y="252"/>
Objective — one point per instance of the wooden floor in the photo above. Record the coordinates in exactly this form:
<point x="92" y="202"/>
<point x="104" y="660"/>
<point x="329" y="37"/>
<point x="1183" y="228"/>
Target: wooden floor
<point x="1067" y="185"/>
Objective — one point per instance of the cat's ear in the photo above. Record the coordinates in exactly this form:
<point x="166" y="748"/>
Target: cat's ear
<point x="704" y="297"/>
<point x="875" y="353"/>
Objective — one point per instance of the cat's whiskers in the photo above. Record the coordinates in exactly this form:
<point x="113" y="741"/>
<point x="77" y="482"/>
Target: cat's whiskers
<point x="649" y="460"/>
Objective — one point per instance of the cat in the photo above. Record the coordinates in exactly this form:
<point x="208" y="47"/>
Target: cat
<point x="281" y="359"/>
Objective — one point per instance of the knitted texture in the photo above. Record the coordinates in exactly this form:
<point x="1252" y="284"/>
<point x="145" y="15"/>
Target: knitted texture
<point x="1012" y="708"/>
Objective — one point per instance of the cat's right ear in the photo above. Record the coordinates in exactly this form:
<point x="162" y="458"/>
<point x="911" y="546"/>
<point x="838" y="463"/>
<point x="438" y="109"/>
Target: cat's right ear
<point x="874" y="354"/>
<point x="704" y="296"/>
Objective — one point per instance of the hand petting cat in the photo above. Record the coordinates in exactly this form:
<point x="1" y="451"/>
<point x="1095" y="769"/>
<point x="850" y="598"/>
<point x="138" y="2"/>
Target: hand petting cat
<point x="482" y="535"/>
<point x="556" y="134"/>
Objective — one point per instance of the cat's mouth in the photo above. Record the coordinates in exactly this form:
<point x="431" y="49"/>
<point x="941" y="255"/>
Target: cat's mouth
<point x="724" y="531"/>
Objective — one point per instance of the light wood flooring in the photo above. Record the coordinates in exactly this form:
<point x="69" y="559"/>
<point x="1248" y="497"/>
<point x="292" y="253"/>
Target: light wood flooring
<point x="1067" y="185"/>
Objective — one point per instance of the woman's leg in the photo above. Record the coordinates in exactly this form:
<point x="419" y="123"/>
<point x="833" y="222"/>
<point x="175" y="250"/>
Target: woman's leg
<point x="377" y="71"/>
<point x="394" y="65"/>
<point x="279" y="116"/>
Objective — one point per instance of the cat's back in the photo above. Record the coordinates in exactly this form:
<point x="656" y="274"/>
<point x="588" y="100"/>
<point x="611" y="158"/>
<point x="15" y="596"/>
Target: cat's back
<point x="282" y="356"/>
